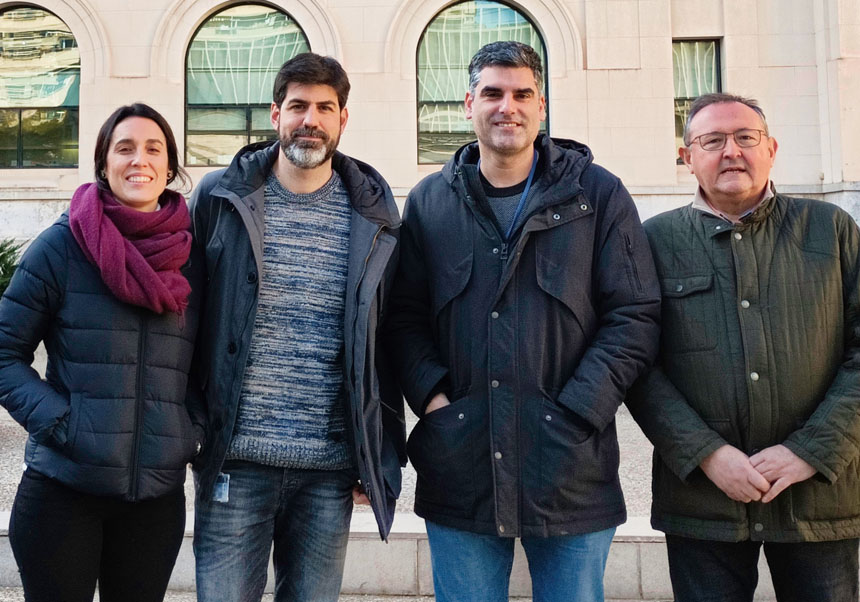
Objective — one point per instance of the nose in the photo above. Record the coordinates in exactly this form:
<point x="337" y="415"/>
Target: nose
<point x="506" y="105"/>
<point x="311" y="118"/>
<point x="139" y="157"/>
<point x="731" y="149"/>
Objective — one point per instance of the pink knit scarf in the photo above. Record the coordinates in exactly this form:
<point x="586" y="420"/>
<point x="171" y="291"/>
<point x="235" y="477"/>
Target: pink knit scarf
<point x="138" y="254"/>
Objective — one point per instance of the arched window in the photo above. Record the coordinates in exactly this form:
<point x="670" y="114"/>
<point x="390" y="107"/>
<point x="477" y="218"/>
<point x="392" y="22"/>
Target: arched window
<point x="230" y="70"/>
<point x="40" y="76"/>
<point x="444" y="51"/>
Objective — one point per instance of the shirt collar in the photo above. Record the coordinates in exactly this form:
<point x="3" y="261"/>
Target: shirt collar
<point x="700" y="203"/>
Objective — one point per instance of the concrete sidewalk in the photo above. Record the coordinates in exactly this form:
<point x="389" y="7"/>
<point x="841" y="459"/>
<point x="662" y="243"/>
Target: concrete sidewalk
<point x="16" y="595"/>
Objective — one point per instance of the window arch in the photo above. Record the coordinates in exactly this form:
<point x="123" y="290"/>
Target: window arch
<point x="230" y="70"/>
<point x="40" y="77"/>
<point x="447" y="45"/>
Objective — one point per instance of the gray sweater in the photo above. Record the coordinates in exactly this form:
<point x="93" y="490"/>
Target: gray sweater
<point x="291" y="408"/>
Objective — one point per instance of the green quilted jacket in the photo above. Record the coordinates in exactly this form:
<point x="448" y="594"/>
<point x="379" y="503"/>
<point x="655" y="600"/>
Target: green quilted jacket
<point x="760" y="346"/>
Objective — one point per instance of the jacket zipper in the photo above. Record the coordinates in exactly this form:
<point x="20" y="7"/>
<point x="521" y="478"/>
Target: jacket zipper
<point x="629" y="245"/>
<point x="138" y="411"/>
<point x="504" y="249"/>
<point x="367" y="490"/>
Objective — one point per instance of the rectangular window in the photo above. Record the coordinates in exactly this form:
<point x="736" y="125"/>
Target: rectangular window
<point x="696" y="70"/>
<point x="214" y="133"/>
<point x="39" y="137"/>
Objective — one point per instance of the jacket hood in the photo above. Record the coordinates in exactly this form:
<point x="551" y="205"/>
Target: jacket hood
<point x="565" y="161"/>
<point x="369" y="193"/>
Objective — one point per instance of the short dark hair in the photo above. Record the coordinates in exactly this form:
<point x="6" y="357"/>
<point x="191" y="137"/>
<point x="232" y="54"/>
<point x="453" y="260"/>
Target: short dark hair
<point x="309" y="68"/>
<point x="505" y="54"/>
<point x="713" y="98"/>
<point x="105" y="134"/>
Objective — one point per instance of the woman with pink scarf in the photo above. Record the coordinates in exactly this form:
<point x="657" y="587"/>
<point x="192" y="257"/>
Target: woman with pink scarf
<point x="112" y="288"/>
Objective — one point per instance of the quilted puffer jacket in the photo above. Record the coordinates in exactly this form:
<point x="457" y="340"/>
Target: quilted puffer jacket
<point x="760" y="346"/>
<point x="117" y="375"/>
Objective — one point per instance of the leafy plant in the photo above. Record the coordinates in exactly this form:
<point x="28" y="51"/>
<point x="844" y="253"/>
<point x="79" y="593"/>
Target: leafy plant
<point x="8" y="261"/>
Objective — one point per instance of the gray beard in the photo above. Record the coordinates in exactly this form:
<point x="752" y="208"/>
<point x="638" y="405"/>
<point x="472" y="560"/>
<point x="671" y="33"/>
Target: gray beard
<point x="308" y="157"/>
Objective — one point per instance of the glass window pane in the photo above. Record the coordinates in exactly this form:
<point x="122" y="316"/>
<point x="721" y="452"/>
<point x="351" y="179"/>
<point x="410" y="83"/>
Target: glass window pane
<point x="261" y="118"/>
<point x="8" y="138"/>
<point x="217" y="119"/>
<point x="235" y="55"/>
<point x="41" y="65"/>
<point x="213" y="149"/>
<point x="261" y="136"/>
<point x="696" y="70"/>
<point x="49" y="137"/>
<point x="444" y="52"/>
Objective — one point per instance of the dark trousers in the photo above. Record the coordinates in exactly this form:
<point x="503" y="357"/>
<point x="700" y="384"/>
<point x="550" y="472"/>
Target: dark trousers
<point x="64" y="541"/>
<point x="714" y="571"/>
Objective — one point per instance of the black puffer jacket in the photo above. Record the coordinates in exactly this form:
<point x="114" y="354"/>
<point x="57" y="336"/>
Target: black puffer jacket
<point x="538" y="339"/>
<point x="117" y="373"/>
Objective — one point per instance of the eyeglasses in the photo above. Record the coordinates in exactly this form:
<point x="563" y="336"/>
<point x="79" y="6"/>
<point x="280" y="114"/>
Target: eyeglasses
<point x="715" y="141"/>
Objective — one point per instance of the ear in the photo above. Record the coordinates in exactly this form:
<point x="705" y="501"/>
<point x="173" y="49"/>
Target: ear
<point x="542" y="108"/>
<point x="275" y="116"/>
<point x="344" y="117"/>
<point x="771" y="148"/>
<point x="468" y="103"/>
<point x="686" y="157"/>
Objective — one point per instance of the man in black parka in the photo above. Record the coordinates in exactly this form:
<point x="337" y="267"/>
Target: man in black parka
<point x="525" y="304"/>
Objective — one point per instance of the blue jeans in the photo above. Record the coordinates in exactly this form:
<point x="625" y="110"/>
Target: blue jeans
<point x="306" y="514"/>
<point x="471" y="567"/>
<point x="716" y="571"/>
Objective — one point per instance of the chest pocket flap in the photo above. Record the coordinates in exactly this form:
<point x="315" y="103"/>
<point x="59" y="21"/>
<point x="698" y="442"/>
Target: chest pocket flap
<point x="450" y="281"/>
<point x="688" y="313"/>
<point x="681" y="287"/>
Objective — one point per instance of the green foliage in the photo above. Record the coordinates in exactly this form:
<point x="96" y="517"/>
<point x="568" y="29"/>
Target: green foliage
<point x="8" y="261"/>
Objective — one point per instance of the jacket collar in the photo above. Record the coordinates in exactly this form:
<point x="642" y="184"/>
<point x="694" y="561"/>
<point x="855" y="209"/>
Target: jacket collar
<point x="564" y="161"/>
<point x="369" y="193"/>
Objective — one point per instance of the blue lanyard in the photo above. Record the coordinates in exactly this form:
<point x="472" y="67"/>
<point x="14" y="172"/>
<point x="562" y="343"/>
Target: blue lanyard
<point x="522" y="204"/>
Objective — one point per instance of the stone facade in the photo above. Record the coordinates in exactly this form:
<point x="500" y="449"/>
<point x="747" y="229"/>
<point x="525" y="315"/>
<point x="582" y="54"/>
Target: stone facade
<point x="610" y="84"/>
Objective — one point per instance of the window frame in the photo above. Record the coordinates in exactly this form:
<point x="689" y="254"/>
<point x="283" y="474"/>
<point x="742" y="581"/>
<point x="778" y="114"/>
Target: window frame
<point x="545" y="125"/>
<point x="248" y="132"/>
<point x="21" y="109"/>
<point x="718" y="71"/>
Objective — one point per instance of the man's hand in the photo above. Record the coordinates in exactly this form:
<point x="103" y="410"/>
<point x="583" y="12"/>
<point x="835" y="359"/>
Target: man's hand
<point x="358" y="496"/>
<point x="731" y="470"/>
<point x="440" y="400"/>
<point x="781" y="467"/>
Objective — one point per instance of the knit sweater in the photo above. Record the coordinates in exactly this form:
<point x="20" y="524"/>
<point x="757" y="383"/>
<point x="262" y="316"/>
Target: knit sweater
<point x="291" y="408"/>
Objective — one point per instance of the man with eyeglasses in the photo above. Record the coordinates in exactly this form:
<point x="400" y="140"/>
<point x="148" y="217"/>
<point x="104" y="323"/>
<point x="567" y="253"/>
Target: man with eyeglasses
<point x="754" y="403"/>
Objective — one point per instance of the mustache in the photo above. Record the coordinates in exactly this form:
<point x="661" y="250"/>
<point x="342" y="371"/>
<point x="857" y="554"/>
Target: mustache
<point x="309" y="132"/>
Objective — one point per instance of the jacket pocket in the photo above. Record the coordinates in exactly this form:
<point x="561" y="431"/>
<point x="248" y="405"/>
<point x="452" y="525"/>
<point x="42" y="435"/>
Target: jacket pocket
<point x="440" y="448"/>
<point x="555" y="281"/>
<point x="452" y="281"/>
<point x="576" y="460"/>
<point x="453" y="315"/>
<point x="74" y="420"/>
<point x="689" y="308"/>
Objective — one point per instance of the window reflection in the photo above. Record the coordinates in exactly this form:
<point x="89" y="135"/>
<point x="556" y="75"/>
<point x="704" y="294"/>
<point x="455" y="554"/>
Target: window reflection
<point x="231" y="67"/>
<point x="39" y="90"/>
<point x="696" y="71"/>
<point x="444" y="52"/>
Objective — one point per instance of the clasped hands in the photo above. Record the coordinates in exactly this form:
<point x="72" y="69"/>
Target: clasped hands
<point x="760" y="477"/>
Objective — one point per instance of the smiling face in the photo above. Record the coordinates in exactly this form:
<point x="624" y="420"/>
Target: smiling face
<point x="309" y="123"/>
<point x="732" y="179"/>
<point x="136" y="164"/>
<point x="506" y="110"/>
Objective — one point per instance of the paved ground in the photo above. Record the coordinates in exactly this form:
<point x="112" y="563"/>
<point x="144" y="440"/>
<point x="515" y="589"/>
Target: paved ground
<point x="17" y="595"/>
